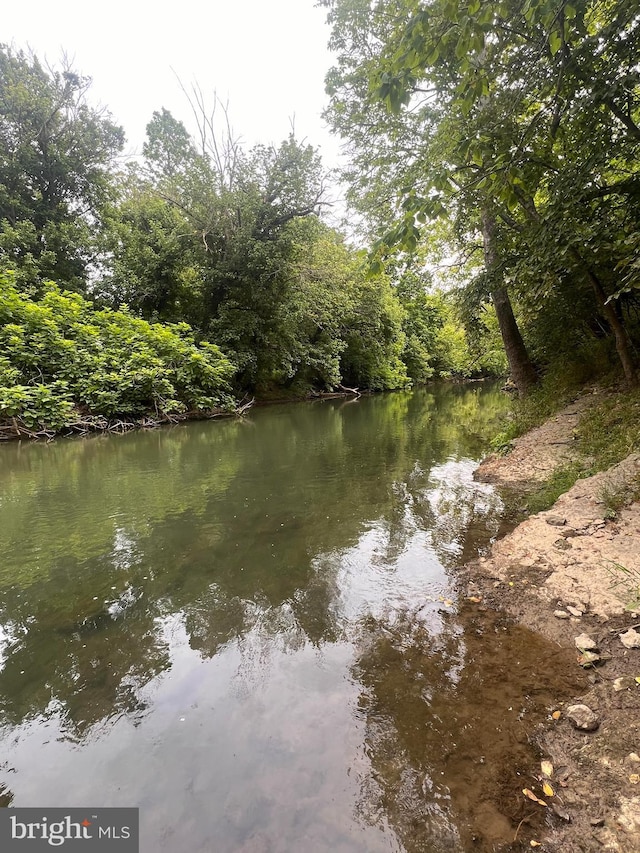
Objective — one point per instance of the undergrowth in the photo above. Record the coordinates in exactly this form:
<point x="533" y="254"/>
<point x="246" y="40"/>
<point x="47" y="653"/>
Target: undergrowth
<point x="553" y="393"/>
<point x="558" y="483"/>
<point x="606" y="434"/>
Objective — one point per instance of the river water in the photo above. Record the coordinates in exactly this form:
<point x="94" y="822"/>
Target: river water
<point x="248" y="629"/>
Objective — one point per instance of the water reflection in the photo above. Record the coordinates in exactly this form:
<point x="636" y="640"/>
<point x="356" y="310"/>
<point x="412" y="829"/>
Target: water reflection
<point x="178" y="613"/>
<point x="449" y="715"/>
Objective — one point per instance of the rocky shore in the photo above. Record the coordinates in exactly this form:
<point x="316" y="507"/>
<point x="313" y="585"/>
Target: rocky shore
<point x="572" y="573"/>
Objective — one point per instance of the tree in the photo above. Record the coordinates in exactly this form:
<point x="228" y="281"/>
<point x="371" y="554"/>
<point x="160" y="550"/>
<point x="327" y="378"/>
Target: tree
<point x="409" y="160"/>
<point x="207" y="231"/>
<point x="55" y="155"/>
<point x="154" y="261"/>
<point x="493" y="98"/>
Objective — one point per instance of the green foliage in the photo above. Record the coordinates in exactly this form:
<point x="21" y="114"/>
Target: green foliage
<point x="610" y="430"/>
<point x="225" y="239"/>
<point x="558" y="483"/>
<point x="61" y="359"/>
<point x="374" y="338"/>
<point x="155" y="264"/>
<point x="55" y="151"/>
<point x="528" y="113"/>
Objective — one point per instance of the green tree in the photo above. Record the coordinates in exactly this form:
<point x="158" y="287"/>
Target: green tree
<point x="209" y="233"/>
<point x="512" y="117"/>
<point x="55" y="155"/>
<point x="155" y="264"/>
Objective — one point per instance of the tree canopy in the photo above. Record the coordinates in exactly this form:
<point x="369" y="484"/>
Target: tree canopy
<point x="56" y="156"/>
<point x="516" y="122"/>
<point x="205" y="252"/>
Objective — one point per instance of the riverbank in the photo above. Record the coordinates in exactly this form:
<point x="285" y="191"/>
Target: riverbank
<point x="572" y="574"/>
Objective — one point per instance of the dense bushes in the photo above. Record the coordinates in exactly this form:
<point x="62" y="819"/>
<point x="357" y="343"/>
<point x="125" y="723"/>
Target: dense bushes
<point x="63" y="360"/>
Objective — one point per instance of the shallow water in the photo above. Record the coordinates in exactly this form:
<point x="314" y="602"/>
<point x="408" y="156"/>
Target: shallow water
<point x="248" y="629"/>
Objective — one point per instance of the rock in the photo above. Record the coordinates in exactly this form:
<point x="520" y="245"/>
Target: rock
<point x="631" y="639"/>
<point x="597" y="821"/>
<point x="583" y="718"/>
<point x="556" y="520"/>
<point x="629" y="817"/>
<point x="585" y="643"/>
<point x="562" y="545"/>
<point x="633" y="758"/>
<point x="561" y="614"/>
<point x="562" y="813"/>
<point x="574" y="611"/>
<point x="624" y="683"/>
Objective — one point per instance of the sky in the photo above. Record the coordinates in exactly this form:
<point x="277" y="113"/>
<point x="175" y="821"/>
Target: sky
<point x="267" y="58"/>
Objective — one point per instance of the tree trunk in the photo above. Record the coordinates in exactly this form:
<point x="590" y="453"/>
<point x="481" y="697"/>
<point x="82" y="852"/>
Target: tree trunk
<point x="522" y="370"/>
<point x="623" y="344"/>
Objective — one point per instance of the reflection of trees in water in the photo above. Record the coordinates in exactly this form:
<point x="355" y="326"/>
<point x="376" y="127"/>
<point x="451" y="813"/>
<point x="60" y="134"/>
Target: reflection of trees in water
<point x="463" y="515"/>
<point x="448" y="720"/>
<point x="86" y="672"/>
<point x="178" y="522"/>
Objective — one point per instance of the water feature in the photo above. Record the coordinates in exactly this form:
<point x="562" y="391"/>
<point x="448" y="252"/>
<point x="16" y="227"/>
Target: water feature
<point x="248" y="628"/>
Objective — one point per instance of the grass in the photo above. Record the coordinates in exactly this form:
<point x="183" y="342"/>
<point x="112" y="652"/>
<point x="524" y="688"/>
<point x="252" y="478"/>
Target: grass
<point x="611" y="430"/>
<point x="558" y="483"/>
<point x="606" y="434"/>
<point x="615" y="497"/>
<point x="553" y="393"/>
<point x="627" y="581"/>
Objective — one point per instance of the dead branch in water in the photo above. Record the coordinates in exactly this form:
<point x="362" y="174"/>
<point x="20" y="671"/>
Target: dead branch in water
<point x="243" y="407"/>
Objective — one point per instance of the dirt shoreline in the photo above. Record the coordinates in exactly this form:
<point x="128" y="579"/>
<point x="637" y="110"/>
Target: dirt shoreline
<point x="565" y="573"/>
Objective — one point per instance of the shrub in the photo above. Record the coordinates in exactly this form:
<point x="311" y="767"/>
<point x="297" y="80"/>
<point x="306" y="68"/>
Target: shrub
<point x="60" y="356"/>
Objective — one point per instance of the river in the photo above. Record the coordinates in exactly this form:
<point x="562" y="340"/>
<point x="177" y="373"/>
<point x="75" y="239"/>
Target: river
<point x="249" y="628"/>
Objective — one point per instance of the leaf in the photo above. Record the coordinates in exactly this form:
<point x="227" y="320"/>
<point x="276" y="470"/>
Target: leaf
<point x="547" y="768"/>
<point x="547" y="789"/>
<point x="555" y="42"/>
<point x="534" y="843"/>
<point x="528" y="793"/>
<point x="556" y="715"/>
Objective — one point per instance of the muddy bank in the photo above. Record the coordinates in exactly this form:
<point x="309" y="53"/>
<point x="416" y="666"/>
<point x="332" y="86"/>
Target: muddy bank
<point x="572" y="574"/>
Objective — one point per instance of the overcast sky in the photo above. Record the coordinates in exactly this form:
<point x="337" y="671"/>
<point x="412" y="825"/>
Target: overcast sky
<point x="268" y="57"/>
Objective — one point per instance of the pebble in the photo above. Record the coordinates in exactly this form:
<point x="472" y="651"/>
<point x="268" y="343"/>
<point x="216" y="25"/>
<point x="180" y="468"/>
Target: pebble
<point x="624" y="683"/>
<point x="585" y="643"/>
<point x="633" y="757"/>
<point x="583" y="718"/>
<point x="561" y="614"/>
<point x="574" y="611"/>
<point x="631" y="639"/>
<point x="562" y="813"/>
<point x="556" y="520"/>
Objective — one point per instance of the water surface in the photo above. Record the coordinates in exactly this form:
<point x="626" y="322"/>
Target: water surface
<point x="248" y="628"/>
